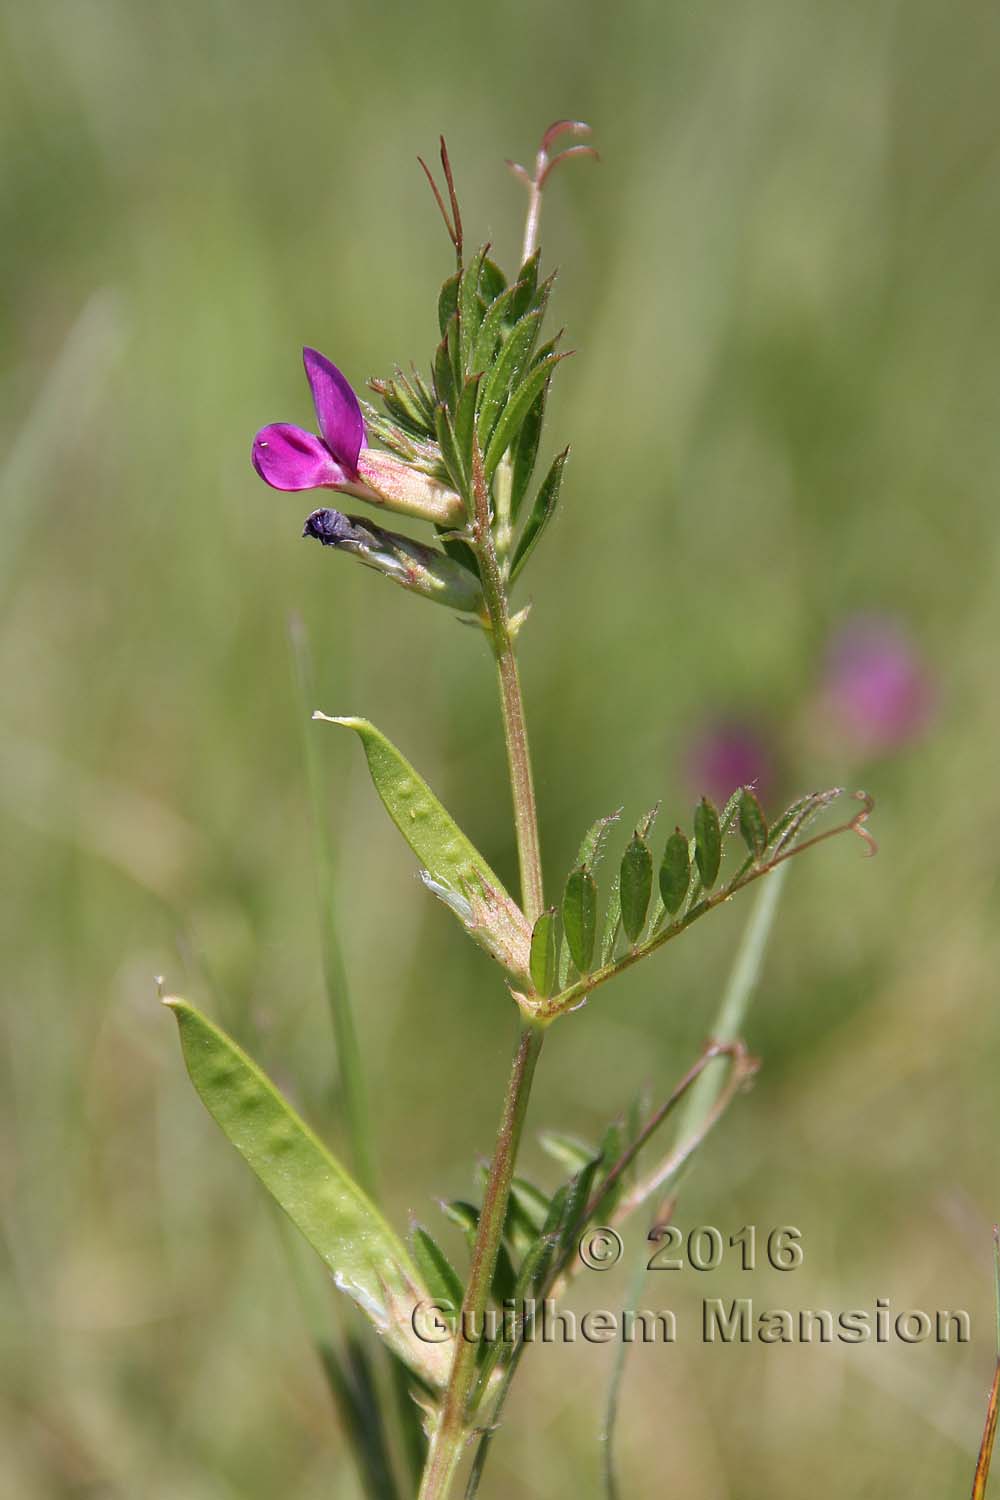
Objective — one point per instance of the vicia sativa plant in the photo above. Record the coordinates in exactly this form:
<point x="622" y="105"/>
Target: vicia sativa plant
<point x="458" y="449"/>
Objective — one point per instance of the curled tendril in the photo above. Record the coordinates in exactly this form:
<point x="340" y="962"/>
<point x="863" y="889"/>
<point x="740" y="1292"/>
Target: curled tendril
<point x="857" y="823"/>
<point x="544" y="163"/>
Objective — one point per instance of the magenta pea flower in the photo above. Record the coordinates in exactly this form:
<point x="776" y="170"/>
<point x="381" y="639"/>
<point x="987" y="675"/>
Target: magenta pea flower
<point x="288" y="458"/>
<point x="727" y="754"/>
<point x="877" y="690"/>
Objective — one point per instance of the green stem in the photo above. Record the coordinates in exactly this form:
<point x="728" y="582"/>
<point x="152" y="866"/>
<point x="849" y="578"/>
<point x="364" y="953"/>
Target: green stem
<point x="454" y="1423"/>
<point x="452" y="1432"/>
<point x="742" y="983"/>
<point x="531" y="223"/>
<point x="522" y="785"/>
<point x="511" y="703"/>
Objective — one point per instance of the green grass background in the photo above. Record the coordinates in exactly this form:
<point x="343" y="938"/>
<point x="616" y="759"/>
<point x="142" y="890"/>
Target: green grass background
<point x="782" y="283"/>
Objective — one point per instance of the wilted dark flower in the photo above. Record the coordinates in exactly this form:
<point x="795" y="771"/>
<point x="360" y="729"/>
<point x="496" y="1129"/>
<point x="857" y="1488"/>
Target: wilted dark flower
<point x="877" y="691"/>
<point x="421" y="569"/>
<point x="289" y="458"/>
<point x="728" y="754"/>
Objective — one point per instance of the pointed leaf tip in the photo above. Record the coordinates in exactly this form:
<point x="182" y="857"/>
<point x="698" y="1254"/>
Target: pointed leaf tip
<point x="350" y="721"/>
<point x="323" y="1201"/>
<point x="458" y="872"/>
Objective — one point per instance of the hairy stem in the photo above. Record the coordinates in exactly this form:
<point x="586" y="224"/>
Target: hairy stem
<point x="511" y="703"/>
<point x="531" y="223"/>
<point x="452" y="1433"/>
<point x="453" y="1429"/>
<point x="522" y="785"/>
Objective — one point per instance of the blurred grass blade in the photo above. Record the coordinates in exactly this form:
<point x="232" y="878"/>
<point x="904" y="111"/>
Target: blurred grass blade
<point x="701" y="1100"/>
<point x="612" y="1404"/>
<point x="355" y="1396"/>
<point x="347" y="1368"/>
<point x="457" y="872"/>
<point x="366" y="1428"/>
<point x="63" y="415"/>
<point x="409" y="1421"/>
<point x="990" y="1430"/>
<point x="731" y="1015"/>
<point x="369" y="1263"/>
<point x="349" y="1066"/>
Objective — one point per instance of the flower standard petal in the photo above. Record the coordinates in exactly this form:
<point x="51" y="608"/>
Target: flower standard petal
<point x="337" y="407"/>
<point x="288" y="458"/>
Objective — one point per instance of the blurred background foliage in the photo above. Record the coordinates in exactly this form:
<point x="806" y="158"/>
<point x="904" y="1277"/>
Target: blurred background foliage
<point x="782" y="285"/>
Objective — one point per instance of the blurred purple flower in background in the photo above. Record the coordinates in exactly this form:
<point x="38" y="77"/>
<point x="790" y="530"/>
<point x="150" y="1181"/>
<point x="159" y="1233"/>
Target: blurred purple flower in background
<point x="728" y="754"/>
<point x="877" y="691"/>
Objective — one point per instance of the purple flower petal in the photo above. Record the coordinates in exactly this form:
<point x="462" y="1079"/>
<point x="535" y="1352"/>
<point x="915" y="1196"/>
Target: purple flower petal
<point x="338" y="410"/>
<point x="290" y="459"/>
